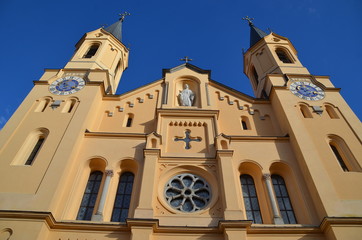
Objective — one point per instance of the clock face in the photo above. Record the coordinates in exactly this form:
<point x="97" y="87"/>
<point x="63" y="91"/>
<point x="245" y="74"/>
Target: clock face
<point x="307" y="91"/>
<point x="66" y="85"/>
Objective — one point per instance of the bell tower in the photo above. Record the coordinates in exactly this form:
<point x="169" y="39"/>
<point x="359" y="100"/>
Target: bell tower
<point x="102" y="49"/>
<point x="269" y="54"/>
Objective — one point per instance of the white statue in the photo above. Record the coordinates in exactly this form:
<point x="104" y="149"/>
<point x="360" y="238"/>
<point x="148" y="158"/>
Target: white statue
<point x="186" y="97"/>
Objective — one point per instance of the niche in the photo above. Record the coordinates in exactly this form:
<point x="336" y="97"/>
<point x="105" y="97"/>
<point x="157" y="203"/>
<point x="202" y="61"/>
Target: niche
<point x="187" y="92"/>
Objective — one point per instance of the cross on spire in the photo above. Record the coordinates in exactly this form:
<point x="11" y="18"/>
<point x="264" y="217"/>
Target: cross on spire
<point x="186" y="59"/>
<point x="188" y="139"/>
<point x="123" y="15"/>
<point x="247" y="18"/>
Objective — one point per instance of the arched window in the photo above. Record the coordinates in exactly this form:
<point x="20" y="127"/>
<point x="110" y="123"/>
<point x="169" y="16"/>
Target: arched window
<point x="305" y="111"/>
<point x="343" y="154"/>
<point x="129" y="120"/>
<point x="339" y="158"/>
<point x="331" y="112"/>
<point x="255" y="76"/>
<point x="117" y="68"/>
<point x="91" y="51"/>
<point x="245" y="125"/>
<point x="42" y="105"/>
<point x="123" y="197"/>
<point x="31" y="147"/>
<point x="90" y="196"/>
<point x="285" y="206"/>
<point x="250" y="199"/>
<point x="283" y="56"/>
<point x="69" y="105"/>
<point x="35" y="150"/>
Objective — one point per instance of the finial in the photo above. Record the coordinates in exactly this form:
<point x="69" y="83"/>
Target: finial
<point x="247" y="18"/>
<point x="123" y="15"/>
<point x="186" y="59"/>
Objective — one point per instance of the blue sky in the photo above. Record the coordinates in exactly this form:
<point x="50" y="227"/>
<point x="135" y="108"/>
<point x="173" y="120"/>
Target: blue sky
<point x="42" y="34"/>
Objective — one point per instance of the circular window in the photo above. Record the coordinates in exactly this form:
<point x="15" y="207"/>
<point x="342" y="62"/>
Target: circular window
<point x="187" y="193"/>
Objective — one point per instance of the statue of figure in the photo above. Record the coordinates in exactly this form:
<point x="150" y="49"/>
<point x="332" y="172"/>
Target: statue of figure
<point x="186" y="97"/>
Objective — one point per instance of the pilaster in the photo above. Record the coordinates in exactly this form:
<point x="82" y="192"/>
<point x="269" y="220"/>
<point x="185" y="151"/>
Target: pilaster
<point x="235" y="230"/>
<point x="229" y="186"/>
<point x="148" y="185"/>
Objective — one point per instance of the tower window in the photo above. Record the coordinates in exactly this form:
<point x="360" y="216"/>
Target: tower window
<point x="123" y="197"/>
<point x="339" y="158"/>
<point x="35" y="150"/>
<point x="90" y="196"/>
<point x="285" y="206"/>
<point x="91" y="51"/>
<point x="331" y="113"/>
<point x="305" y="111"/>
<point x="42" y="105"/>
<point x="117" y="68"/>
<point x="256" y="77"/>
<point x="69" y="105"/>
<point x="282" y="55"/>
<point x="250" y="199"/>
<point x="31" y="147"/>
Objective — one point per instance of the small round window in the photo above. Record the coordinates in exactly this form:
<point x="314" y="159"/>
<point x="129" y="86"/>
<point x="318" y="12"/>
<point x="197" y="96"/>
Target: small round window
<point x="187" y="193"/>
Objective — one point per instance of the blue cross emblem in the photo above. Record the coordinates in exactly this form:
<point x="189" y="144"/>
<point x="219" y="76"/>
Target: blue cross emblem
<point x="188" y="139"/>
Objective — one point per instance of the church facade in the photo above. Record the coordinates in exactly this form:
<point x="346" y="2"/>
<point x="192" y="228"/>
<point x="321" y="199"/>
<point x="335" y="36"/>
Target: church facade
<point x="184" y="157"/>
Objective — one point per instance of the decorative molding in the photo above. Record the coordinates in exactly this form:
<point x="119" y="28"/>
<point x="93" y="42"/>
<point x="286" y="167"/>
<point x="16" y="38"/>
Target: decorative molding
<point x="115" y="135"/>
<point x="187" y="124"/>
<point x="223" y="225"/>
<point x="267" y="176"/>
<point x="109" y="173"/>
<point x="269" y="138"/>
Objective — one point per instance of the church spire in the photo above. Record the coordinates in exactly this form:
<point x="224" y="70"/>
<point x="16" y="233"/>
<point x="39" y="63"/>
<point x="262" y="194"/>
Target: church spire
<point x="116" y="28"/>
<point x="255" y="33"/>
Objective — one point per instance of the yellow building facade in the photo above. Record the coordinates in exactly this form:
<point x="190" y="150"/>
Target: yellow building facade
<point x="183" y="157"/>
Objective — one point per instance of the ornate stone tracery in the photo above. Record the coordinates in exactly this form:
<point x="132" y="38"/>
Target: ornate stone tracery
<point x="187" y="193"/>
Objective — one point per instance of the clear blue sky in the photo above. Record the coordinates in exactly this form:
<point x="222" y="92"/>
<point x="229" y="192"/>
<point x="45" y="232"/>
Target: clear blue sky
<point x="41" y="34"/>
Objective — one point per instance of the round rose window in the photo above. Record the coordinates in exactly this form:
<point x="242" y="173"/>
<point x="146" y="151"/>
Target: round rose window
<point x="187" y="193"/>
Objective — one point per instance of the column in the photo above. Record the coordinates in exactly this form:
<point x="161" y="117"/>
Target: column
<point x="98" y="216"/>
<point x="229" y="186"/>
<point x="273" y="200"/>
